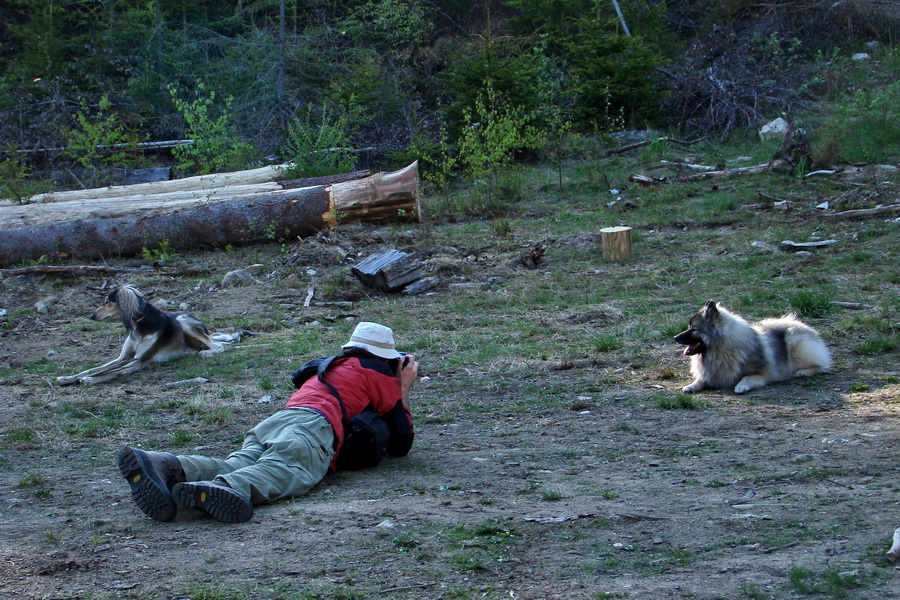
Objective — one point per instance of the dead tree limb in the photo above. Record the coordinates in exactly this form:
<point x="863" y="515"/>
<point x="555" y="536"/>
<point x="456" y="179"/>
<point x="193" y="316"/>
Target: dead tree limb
<point x="862" y="213"/>
<point x="73" y="270"/>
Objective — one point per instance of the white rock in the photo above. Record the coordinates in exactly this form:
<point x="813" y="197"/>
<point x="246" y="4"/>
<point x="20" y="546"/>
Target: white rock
<point x="773" y="129"/>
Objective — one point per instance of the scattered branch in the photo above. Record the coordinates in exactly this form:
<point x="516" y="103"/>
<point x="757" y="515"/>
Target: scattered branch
<point x="862" y="213"/>
<point x="784" y="547"/>
<point x="852" y="305"/>
<point x="402" y="588"/>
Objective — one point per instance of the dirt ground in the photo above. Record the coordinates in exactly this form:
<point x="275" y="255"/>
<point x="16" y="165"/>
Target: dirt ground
<point x="789" y="492"/>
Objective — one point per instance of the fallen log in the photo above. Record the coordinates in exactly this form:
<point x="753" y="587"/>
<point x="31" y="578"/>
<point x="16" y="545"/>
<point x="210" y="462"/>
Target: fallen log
<point x="212" y="219"/>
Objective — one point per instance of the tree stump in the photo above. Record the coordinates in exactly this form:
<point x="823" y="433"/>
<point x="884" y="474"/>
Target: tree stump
<point x="616" y="242"/>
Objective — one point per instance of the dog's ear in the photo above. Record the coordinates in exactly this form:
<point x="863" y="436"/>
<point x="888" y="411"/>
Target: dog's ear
<point x="711" y="309"/>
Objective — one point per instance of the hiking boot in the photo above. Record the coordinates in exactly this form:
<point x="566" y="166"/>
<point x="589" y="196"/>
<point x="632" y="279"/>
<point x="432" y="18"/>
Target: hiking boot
<point x="152" y="475"/>
<point x="215" y="498"/>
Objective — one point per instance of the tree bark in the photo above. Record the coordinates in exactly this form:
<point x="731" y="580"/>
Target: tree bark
<point x="616" y="242"/>
<point x="185" y="221"/>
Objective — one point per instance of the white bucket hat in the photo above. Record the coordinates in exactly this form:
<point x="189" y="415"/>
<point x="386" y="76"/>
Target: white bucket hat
<point x="377" y="339"/>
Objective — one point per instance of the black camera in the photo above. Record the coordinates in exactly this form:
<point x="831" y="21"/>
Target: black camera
<point x="393" y="363"/>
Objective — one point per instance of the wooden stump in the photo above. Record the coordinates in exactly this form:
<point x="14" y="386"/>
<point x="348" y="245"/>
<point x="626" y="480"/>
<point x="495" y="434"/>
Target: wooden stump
<point x="616" y="242"/>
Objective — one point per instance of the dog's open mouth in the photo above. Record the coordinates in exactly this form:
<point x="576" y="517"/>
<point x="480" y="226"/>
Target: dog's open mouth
<point x="695" y="348"/>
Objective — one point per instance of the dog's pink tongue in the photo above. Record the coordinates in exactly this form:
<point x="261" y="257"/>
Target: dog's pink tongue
<point x="687" y="351"/>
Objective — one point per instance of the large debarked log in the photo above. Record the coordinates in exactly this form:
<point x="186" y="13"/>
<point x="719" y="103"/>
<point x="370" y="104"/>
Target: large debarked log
<point x="205" y="221"/>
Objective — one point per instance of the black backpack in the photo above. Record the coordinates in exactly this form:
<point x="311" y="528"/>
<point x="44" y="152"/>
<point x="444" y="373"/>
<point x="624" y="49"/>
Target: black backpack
<point x="365" y="435"/>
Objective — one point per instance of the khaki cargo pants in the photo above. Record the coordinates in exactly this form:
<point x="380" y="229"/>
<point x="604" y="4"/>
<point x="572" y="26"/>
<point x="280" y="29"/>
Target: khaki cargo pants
<point x="284" y="456"/>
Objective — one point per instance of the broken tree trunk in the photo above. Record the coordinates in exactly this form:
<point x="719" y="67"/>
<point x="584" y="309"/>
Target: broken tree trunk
<point x="388" y="270"/>
<point x="205" y="219"/>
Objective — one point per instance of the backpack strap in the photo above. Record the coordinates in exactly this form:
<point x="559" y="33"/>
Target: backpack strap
<point x="321" y="376"/>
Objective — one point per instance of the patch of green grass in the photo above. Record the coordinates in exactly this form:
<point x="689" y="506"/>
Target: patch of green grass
<point x="19" y="435"/>
<point x="753" y="592"/>
<point x="811" y="304"/>
<point x="405" y="543"/>
<point x="627" y="428"/>
<point x="551" y="495"/>
<point x="32" y="480"/>
<point x="51" y="537"/>
<point x="831" y="583"/>
<point x="679" y="401"/>
<point x="876" y="346"/>
<point x="183" y="437"/>
<point x="605" y="342"/>
<point x="218" y="414"/>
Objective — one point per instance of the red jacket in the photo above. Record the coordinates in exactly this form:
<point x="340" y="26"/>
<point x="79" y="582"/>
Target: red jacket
<point x="362" y="383"/>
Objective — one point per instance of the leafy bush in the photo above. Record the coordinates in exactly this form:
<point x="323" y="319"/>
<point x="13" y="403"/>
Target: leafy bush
<point x="494" y="133"/>
<point x="216" y="146"/>
<point x="101" y="139"/>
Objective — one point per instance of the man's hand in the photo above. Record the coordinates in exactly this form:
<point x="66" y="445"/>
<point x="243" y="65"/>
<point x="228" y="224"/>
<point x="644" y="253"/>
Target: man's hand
<point x="407" y="371"/>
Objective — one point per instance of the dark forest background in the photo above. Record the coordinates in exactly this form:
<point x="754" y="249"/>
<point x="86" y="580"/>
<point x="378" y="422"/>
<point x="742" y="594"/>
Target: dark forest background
<point x="377" y="83"/>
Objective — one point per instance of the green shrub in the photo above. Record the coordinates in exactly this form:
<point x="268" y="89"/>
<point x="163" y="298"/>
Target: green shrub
<point x="865" y="127"/>
<point x="100" y="140"/>
<point x="614" y="73"/>
<point x="495" y="132"/>
<point x="319" y="144"/>
<point x="14" y="173"/>
<point x="216" y="146"/>
<point x="510" y="73"/>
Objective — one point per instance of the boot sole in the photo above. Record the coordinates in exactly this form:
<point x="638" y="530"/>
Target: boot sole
<point x="222" y="503"/>
<point x="149" y="493"/>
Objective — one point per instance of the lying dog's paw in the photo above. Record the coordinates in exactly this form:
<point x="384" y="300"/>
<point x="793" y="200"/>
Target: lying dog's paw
<point x="67" y="380"/>
<point x="213" y="351"/>
<point x="694" y="387"/>
<point x="742" y="388"/>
